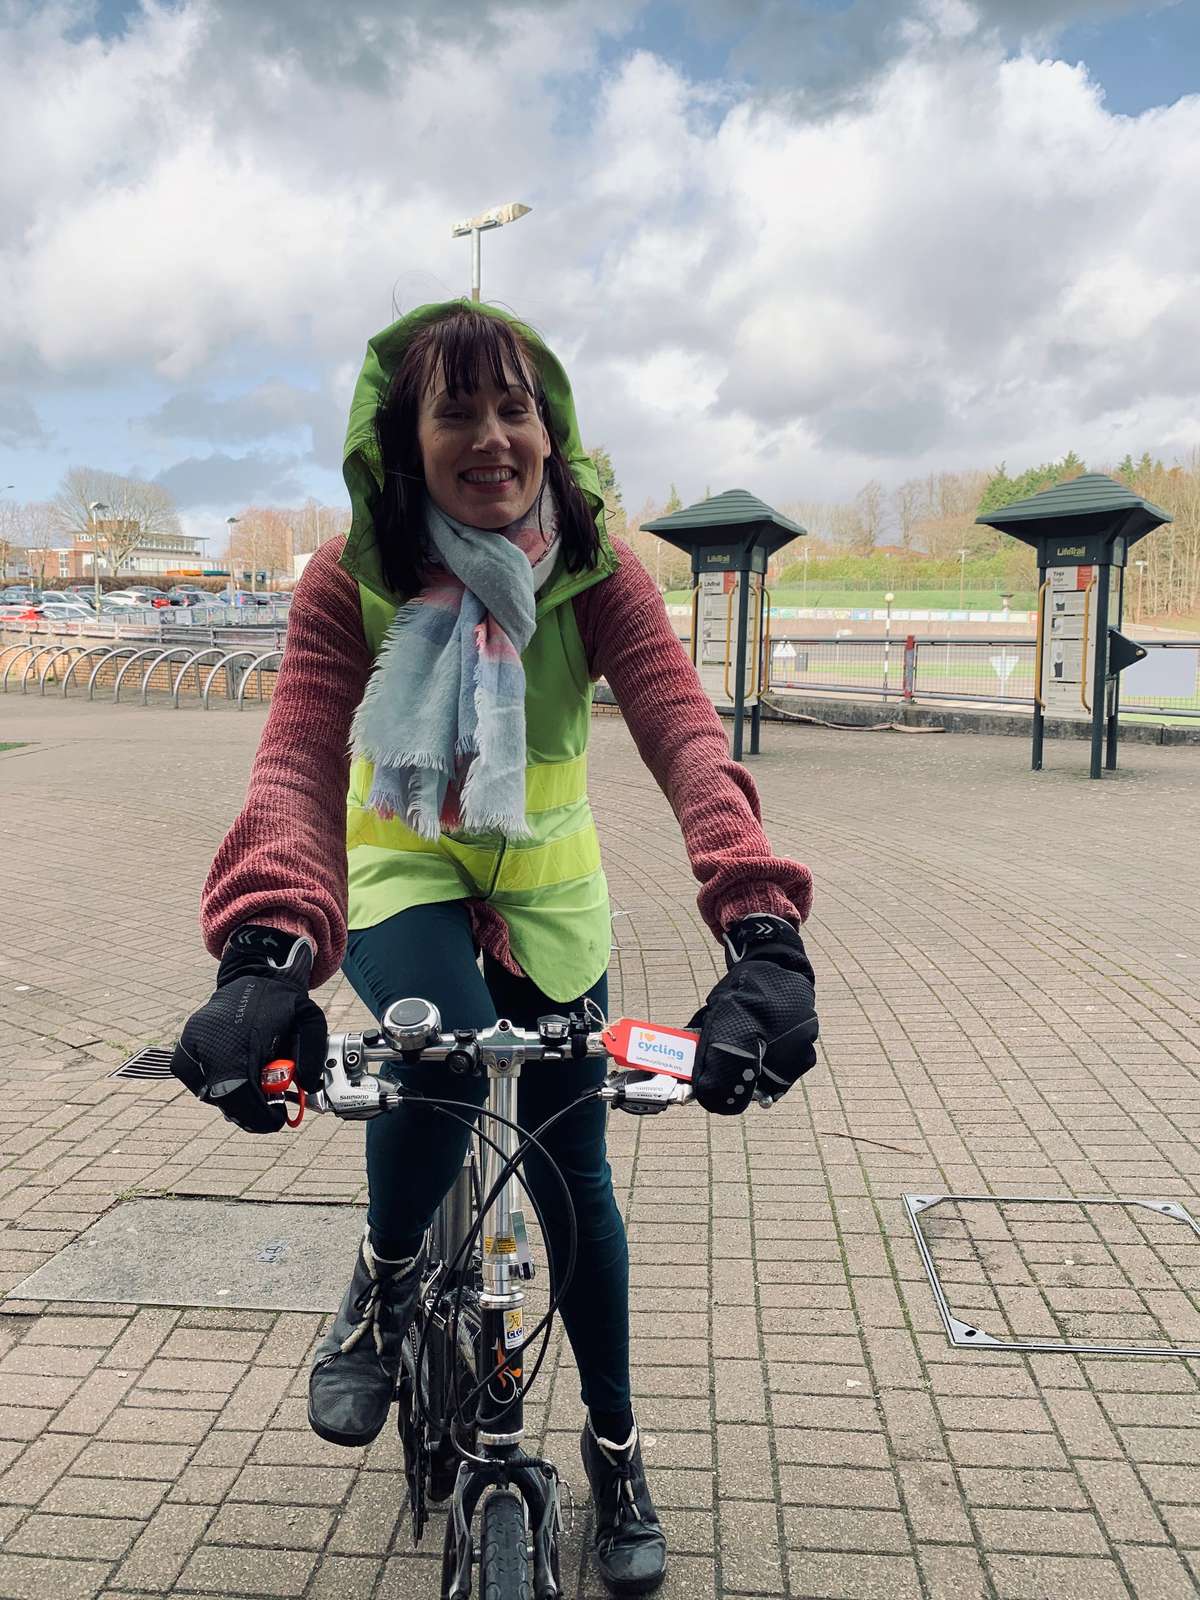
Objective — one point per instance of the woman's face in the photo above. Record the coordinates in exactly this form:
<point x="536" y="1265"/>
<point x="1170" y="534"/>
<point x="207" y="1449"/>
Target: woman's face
<point x="483" y="452"/>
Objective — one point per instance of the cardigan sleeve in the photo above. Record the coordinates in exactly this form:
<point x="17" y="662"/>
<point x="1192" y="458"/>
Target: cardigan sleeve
<point x="283" y="862"/>
<point x="630" y="642"/>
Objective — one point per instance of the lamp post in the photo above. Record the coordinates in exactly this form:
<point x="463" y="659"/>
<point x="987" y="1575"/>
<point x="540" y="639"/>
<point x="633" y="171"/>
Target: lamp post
<point x="805" y="552"/>
<point x="962" y="577"/>
<point x="231" y="523"/>
<point x="1141" y="566"/>
<point x="93" y="508"/>
<point x="495" y="218"/>
<point x="887" y="640"/>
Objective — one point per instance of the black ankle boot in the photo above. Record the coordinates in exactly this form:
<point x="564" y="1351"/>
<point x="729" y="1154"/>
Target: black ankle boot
<point x="630" y="1546"/>
<point x="353" y="1378"/>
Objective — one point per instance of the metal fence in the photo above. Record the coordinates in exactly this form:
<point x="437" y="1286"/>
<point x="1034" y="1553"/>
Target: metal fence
<point x="200" y="619"/>
<point x="984" y="671"/>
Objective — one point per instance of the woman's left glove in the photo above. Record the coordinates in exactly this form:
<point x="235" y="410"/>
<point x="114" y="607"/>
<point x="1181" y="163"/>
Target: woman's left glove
<point x="759" y="1024"/>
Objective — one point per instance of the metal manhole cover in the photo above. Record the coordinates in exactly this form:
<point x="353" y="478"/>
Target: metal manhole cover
<point x="257" y="1256"/>
<point x="149" y="1063"/>
<point x="1093" y="1276"/>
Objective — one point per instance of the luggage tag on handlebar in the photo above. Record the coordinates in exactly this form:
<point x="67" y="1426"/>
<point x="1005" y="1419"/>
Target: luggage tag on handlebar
<point x="651" y="1047"/>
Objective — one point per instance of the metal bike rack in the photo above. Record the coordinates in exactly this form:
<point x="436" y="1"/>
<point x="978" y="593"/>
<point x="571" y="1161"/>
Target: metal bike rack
<point x="257" y="668"/>
<point x="193" y="660"/>
<point x="60" y="650"/>
<point x="45" y="649"/>
<point x="146" y="650"/>
<point x="16" y="652"/>
<point x="110" y="655"/>
<point x="92" y="650"/>
<point x="233" y="655"/>
<point x="165" y="655"/>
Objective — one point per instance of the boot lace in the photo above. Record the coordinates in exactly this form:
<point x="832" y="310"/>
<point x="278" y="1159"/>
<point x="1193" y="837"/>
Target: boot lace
<point x="370" y="1302"/>
<point x="624" y="1508"/>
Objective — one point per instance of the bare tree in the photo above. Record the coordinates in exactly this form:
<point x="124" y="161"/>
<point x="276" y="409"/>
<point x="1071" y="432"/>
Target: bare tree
<point x="133" y="511"/>
<point x="908" y="500"/>
<point x="11" y="534"/>
<point x="868" y="503"/>
<point x="314" y="524"/>
<point x="262" y="540"/>
<point x="670" y="567"/>
<point x="24" y="527"/>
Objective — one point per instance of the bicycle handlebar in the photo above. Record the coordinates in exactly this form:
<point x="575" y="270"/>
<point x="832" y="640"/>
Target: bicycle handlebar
<point x="411" y="1031"/>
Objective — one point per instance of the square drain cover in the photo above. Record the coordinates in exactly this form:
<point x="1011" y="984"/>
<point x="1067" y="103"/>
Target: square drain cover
<point x="1093" y="1276"/>
<point x="257" y="1256"/>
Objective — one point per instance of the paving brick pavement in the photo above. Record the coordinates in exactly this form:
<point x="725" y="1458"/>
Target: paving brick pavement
<point x="1009" y="975"/>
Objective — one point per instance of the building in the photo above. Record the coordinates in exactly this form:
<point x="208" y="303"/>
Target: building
<point x="159" y="555"/>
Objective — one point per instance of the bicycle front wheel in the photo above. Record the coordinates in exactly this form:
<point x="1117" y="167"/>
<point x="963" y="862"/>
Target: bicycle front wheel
<point x="504" y="1553"/>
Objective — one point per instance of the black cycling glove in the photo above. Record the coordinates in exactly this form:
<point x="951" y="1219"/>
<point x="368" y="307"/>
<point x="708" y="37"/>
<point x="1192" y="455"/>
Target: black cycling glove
<point x="260" y="1011"/>
<point x="759" y="1024"/>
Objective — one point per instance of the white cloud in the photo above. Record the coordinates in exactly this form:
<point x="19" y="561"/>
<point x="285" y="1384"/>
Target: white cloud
<point x="972" y="260"/>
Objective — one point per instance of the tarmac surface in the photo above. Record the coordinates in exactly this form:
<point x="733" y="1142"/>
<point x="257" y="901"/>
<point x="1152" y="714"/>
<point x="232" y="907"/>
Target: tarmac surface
<point x="1009" y="983"/>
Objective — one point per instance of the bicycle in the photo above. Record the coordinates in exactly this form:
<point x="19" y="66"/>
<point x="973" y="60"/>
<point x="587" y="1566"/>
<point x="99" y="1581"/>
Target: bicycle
<point x="462" y="1379"/>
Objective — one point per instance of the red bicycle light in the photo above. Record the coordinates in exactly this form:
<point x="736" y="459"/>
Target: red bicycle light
<point x="277" y="1078"/>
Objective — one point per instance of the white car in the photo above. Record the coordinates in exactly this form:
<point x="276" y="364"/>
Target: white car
<point x="66" y="611"/>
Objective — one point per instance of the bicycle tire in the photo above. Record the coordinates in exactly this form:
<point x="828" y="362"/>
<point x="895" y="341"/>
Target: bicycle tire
<point x="504" y="1568"/>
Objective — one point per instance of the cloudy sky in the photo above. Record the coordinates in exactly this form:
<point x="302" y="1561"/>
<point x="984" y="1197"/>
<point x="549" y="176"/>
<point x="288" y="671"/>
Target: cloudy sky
<point x="786" y="245"/>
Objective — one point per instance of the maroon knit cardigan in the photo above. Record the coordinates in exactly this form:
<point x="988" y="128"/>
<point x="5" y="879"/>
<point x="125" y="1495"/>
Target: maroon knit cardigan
<point x="283" y="862"/>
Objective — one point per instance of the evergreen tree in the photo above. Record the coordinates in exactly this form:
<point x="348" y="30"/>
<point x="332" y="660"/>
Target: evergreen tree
<point x="614" y="508"/>
<point x="1001" y="489"/>
<point x="674" y="503"/>
<point x="1127" y="469"/>
<point x="609" y="487"/>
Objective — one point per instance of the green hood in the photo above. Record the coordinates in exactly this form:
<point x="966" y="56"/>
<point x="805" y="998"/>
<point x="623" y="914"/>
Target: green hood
<point x="363" y="469"/>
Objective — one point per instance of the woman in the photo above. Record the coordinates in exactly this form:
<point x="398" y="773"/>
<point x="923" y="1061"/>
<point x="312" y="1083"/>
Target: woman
<point x="452" y="643"/>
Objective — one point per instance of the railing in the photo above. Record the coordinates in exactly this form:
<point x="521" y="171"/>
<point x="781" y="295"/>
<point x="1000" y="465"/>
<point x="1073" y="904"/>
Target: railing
<point x="983" y="671"/>
<point x="169" y="624"/>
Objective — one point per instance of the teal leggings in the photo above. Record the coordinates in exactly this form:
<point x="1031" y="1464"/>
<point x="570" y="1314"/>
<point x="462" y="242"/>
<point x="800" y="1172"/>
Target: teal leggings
<point x="414" y="1154"/>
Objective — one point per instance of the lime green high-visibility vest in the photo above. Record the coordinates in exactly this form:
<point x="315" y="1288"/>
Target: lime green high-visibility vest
<point x="549" y="889"/>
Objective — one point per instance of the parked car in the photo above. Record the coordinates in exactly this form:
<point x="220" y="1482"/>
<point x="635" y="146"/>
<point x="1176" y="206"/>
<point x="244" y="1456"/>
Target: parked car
<point x="66" y="611"/>
<point x="138" y="597"/>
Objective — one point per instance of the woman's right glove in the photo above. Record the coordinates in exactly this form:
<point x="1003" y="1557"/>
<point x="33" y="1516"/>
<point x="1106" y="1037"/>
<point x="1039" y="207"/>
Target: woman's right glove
<point x="260" y="1011"/>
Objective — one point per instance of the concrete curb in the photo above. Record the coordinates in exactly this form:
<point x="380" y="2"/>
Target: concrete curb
<point x="953" y="718"/>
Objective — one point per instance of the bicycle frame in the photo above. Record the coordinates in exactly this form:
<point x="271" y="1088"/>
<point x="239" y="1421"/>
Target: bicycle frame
<point x="488" y="1285"/>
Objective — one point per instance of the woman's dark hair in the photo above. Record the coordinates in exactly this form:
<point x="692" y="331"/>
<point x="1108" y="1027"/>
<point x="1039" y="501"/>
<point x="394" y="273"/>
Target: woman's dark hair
<point x="463" y="346"/>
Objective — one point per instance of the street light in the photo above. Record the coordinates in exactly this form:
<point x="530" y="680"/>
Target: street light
<point x="231" y="523"/>
<point x="93" y="508"/>
<point x="962" y="576"/>
<point x="495" y="218"/>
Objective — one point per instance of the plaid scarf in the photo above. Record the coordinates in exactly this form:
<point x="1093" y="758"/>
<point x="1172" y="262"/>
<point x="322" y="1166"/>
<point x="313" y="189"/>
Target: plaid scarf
<point x="443" y="716"/>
